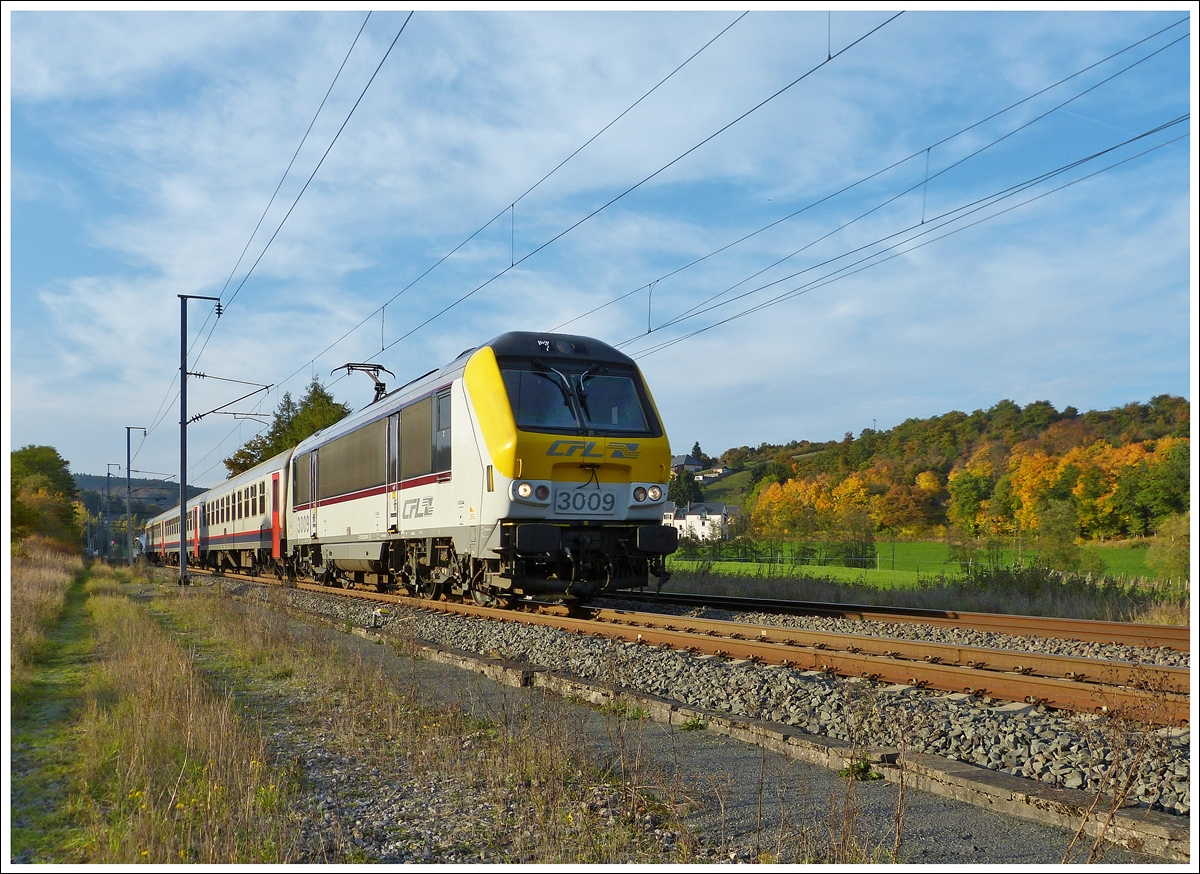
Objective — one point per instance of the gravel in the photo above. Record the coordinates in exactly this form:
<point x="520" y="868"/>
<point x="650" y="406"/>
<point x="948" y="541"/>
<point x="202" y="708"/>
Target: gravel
<point x="1068" y="750"/>
<point x="368" y="807"/>
<point x="931" y="633"/>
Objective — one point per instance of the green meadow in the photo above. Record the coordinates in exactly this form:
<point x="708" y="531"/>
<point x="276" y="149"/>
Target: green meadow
<point x="904" y="564"/>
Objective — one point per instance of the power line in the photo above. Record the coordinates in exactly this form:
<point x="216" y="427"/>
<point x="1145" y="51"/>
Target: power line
<point x="880" y="172"/>
<point x="311" y="176"/>
<point x="165" y="404"/>
<point x="861" y="265"/>
<point x="287" y="170"/>
<point x="643" y="181"/>
<point x="594" y="212"/>
<point x="944" y="170"/>
<point x="308" y="181"/>
<point x="518" y="199"/>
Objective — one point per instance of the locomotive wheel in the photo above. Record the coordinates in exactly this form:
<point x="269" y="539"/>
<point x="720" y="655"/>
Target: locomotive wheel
<point x="484" y="599"/>
<point x="433" y="585"/>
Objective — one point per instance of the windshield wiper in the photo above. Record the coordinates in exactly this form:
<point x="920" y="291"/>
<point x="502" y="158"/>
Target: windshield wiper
<point x="592" y="371"/>
<point x="564" y="387"/>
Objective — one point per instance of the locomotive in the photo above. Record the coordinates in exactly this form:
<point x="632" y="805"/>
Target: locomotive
<point x="535" y="465"/>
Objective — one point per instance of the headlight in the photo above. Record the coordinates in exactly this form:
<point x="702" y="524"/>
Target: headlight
<point x="524" y="490"/>
<point x="542" y="492"/>
<point x="639" y="494"/>
<point x="654" y="492"/>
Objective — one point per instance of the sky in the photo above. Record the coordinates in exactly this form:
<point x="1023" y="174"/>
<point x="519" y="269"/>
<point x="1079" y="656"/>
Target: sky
<point x="942" y="221"/>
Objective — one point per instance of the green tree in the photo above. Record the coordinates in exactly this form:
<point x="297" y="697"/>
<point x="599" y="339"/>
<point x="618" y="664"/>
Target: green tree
<point x="1059" y="528"/>
<point x="967" y="492"/>
<point x="42" y="494"/>
<point x="1170" y="551"/>
<point x="291" y="424"/>
<point x="684" y="489"/>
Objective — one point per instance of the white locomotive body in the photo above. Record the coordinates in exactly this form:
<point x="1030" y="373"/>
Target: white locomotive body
<point x="535" y="464"/>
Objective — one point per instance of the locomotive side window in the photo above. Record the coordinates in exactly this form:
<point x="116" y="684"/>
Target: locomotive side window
<point x="393" y="446"/>
<point x="354" y="461"/>
<point x="441" y="436"/>
<point x="416" y="444"/>
<point x="300" y="479"/>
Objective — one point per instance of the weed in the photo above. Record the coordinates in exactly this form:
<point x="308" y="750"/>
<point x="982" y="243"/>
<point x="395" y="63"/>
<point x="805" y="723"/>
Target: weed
<point x="860" y="769"/>
<point x="694" y="723"/>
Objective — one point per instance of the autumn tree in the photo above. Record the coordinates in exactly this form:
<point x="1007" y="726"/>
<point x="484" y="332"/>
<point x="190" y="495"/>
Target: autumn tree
<point x="291" y="424"/>
<point x="42" y="495"/>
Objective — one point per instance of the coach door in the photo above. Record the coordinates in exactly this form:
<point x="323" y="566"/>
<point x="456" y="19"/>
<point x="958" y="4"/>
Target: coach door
<point x="275" y="515"/>
<point x="196" y="531"/>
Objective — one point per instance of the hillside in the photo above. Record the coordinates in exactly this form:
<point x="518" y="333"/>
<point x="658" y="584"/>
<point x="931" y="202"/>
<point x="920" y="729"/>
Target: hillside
<point x="999" y="471"/>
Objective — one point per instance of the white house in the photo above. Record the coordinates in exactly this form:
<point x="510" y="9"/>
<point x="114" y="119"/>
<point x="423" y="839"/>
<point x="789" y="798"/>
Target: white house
<point x="703" y="520"/>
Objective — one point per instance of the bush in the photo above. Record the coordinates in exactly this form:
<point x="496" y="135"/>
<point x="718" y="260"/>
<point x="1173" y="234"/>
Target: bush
<point x="1170" y="552"/>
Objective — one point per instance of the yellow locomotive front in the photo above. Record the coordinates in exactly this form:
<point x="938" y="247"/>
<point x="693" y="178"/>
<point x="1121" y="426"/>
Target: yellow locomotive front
<point x="576" y="466"/>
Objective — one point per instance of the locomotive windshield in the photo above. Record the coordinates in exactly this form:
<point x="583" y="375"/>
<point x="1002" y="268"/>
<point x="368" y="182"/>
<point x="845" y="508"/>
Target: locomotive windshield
<point x="596" y="399"/>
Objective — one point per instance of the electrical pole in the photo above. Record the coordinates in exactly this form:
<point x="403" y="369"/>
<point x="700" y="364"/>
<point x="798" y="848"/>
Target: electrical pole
<point x="128" y="494"/>
<point x="183" y="375"/>
<point x="107" y="517"/>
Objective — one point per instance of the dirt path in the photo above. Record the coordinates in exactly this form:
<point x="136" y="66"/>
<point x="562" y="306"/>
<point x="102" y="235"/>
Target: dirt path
<point x="43" y="735"/>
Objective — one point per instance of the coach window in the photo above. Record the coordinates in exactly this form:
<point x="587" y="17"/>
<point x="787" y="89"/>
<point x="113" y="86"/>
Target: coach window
<point x="253" y="500"/>
<point x="441" y="435"/>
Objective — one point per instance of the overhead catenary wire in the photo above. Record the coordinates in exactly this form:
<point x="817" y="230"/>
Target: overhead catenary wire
<point x="645" y="179"/>
<point x="892" y="166"/>
<point x="867" y="262"/>
<point x="515" y="201"/>
<point x="166" y="403"/>
<point x="311" y="176"/>
<point x="641" y="286"/>
<point x="946" y="218"/>
<point x="946" y="169"/>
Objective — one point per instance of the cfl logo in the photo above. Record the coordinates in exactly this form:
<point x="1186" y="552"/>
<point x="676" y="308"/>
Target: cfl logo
<point x="415" y="508"/>
<point x="568" y="448"/>
<point x="623" y="450"/>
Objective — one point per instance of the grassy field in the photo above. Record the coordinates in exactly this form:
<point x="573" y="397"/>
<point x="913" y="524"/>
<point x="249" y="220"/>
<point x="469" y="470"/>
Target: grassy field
<point x="728" y="490"/>
<point x="906" y="563"/>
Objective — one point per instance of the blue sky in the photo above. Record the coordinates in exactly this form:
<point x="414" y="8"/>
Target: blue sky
<point x="144" y="147"/>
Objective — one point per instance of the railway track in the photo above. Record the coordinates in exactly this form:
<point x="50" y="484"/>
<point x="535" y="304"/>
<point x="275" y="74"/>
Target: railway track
<point x="1096" y="631"/>
<point x="1149" y="693"/>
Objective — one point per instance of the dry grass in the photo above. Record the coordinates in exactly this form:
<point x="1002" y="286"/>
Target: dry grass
<point x="538" y="792"/>
<point x="42" y="572"/>
<point x="168" y="772"/>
